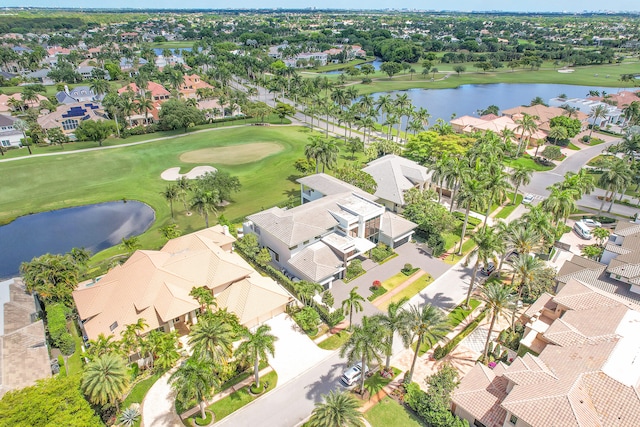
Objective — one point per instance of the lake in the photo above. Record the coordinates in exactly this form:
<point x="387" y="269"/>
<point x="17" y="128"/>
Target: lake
<point x="468" y="99"/>
<point x="158" y="51"/>
<point x="94" y="227"/>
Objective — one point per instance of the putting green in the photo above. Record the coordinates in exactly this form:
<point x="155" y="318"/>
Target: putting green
<point x="232" y="154"/>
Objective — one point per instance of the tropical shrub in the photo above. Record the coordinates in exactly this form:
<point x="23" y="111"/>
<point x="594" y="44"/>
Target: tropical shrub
<point x="381" y="252"/>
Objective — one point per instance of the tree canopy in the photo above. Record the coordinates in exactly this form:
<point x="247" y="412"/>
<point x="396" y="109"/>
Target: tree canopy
<point x="176" y="114"/>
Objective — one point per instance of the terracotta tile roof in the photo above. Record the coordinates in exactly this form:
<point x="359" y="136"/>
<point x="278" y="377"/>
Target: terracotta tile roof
<point x="480" y="393"/>
<point x="544" y="301"/>
<point x="155" y="285"/>
<point x="626" y="228"/>
<point x="575" y="295"/>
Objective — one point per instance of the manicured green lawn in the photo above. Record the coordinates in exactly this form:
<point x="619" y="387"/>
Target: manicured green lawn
<point x="409" y="291"/>
<point x="460" y="313"/>
<point x="335" y="341"/>
<point x="528" y="163"/>
<point x="390" y="413"/>
<point x="510" y="207"/>
<point x="74" y="362"/>
<point x="238" y="399"/>
<point x="376" y="382"/>
<point x="45" y="183"/>
<point x="395" y="281"/>
<point x="140" y="390"/>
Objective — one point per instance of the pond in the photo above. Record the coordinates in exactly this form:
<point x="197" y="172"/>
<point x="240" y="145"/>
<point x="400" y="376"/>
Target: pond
<point x="376" y="64"/>
<point x="468" y="99"/>
<point x="158" y="51"/>
<point x="94" y="227"/>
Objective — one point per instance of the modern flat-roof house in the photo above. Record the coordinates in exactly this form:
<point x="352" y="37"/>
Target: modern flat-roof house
<point x="24" y="357"/>
<point x="395" y="175"/>
<point x="586" y="106"/>
<point x="336" y="223"/>
<point x="586" y="372"/>
<point x="155" y="286"/>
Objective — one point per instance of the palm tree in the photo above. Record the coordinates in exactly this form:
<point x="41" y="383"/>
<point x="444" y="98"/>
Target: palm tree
<point x="102" y="345"/>
<point x="394" y="320"/>
<point x="427" y="324"/>
<point x="540" y="220"/>
<point x="582" y="182"/>
<point x="132" y="335"/>
<point x="497" y="186"/>
<point x="498" y="299"/>
<point x="560" y="203"/>
<point x="617" y="174"/>
<point x="526" y="268"/>
<point x="441" y="171"/>
<point x="366" y="343"/>
<point x="99" y="86"/>
<point x="527" y="126"/>
<point x="170" y="194"/>
<point x="313" y="150"/>
<point x="23" y="126"/>
<point x="144" y="105"/>
<point x="205" y="202"/>
<point x="105" y="380"/>
<point x="597" y="112"/>
<point x="472" y="193"/>
<point x="256" y="347"/>
<point x="211" y="339"/>
<point x="205" y="298"/>
<point x="184" y="186"/>
<point x="488" y="243"/>
<point x="194" y="380"/>
<point x="520" y="175"/>
<point x="339" y="409"/>
<point x="351" y="304"/>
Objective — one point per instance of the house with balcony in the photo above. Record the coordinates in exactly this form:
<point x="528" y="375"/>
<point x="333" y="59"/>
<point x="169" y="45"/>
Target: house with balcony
<point x="583" y="370"/>
<point x="9" y="136"/>
<point x="335" y="224"/>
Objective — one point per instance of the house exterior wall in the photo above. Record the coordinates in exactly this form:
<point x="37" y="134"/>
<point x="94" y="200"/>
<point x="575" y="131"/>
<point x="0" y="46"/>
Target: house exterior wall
<point x="607" y="257"/>
<point x="10" y="139"/>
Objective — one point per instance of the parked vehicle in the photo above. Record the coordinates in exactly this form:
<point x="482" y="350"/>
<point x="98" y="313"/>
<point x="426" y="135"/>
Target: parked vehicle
<point x="352" y="375"/>
<point x="528" y="199"/>
<point x="582" y="230"/>
<point x="591" y="222"/>
<point x="488" y="269"/>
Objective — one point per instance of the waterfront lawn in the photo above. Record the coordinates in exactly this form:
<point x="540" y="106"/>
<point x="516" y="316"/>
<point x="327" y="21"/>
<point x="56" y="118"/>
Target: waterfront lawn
<point x="46" y="183"/>
<point x="391" y="413"/>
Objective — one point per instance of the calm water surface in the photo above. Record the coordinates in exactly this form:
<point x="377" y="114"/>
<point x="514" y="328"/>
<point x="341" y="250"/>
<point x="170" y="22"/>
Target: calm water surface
<point x="94" y="227"/>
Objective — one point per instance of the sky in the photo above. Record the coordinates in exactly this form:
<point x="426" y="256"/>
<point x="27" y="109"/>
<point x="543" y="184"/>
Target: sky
<point x="458" y="5"/>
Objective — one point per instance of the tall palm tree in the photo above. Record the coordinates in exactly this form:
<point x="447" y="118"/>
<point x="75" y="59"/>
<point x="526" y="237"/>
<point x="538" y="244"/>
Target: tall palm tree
<point x="103" y="345"/>
<point x="520" y="175"/>
<point x="144" y="105"/>
<point x="560" y="203"/>
<point x="366" y="343"/>
<point x="205" y="298"/>
<point x="184" y="186"/>
<point x="23" y="126"/>
<point x="339" y="409"/>
<point x="194" y="380"/>
<point x="498" y="298"/>
<point x="597" y="112"/>
<point x="526" y="268"/>
<point x="441" y="171"/>
<point x="540" y="220"/>
<point x="205" y="202"/>
<point x="581" y="181"/>
<point x="353" y="303"/>
<point x="394" y="321"/>
<point x="132" y="335"/>
<point x="527" y="125"/>
<point x="459" y="171"/>
<point x="616" y="175"/>
<point x="105" y="380"/>
<point x="488" y="244"/>
<point x="170" y="194"/>
<point x="256" y="347"/>
<point x="427" y="324"/>
<point x="472" y="193"/>
<point x="313" y="150"/>
<point x="211" y="339"/>
<point x="497" y="185"/>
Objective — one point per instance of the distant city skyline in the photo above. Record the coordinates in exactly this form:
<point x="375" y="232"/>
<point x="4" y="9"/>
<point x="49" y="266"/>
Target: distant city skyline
<point x="455" y="5"/>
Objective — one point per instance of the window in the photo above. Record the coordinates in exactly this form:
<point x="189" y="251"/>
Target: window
<point x="477" y="423"/>
<point x="176" y="320"/>
<point x="513" y="419"/>
<point x="5" y="143"/>
<point x="113" y="326"/>
<point x="372" y="229"/>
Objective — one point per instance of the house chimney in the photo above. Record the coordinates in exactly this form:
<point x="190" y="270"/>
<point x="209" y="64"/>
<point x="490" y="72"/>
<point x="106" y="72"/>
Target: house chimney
<point x="66" y="89"/>
<point x="225" y="230"/>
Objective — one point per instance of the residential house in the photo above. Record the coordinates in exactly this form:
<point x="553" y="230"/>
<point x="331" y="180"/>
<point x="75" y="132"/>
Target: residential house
<point x="159" y="95"/>
<point x="395" y="175"/>
<point x="86" y="71"/>
<point x="77" y="94"/>
<point x="68" y="117"/>
<point x="24" y="357"/>
<point x="131" y="66"/>
<point x="129" y="37"/>
<point x="41" y="76"/>
<point x="155" y="286"/>
<point x="6" y="103"/>
<point x="544" y="115"/>
<point x="493" y="123"/>
<point x="613" y="115"/>
<point x="620" y="99"/>
<point x="9" y="136"/>
<point x="585" y="373"/>
<point x="191" y="84"/>
<point x="171" y="61"/>
<point x="335" y="224"/>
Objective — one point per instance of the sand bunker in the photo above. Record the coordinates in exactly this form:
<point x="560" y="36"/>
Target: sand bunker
<point x="566" y="71"/>
<point x="233" y="154"/>
<point x="173" y="174"/>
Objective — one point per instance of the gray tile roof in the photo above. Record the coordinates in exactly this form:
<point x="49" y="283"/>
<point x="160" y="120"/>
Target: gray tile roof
<point x="395" y="226"/>
<point x="329" y="185"/>
<point x="7" y="120"/>
<point x="395" y="175"/>
<point x="317" y="262"/>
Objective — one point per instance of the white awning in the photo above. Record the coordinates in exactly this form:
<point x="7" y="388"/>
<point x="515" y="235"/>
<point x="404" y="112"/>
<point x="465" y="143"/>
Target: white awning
<point x="363" y="245"/>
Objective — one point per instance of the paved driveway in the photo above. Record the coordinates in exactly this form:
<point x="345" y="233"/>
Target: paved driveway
<point x="295" y="352"/>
